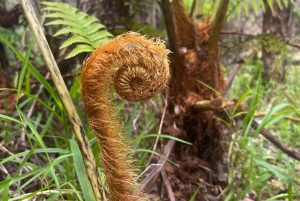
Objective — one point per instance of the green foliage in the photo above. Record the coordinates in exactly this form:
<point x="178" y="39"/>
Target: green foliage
<point x="138" y="27"/>
<point x="187" y="5"/>
<point x="88" y="32"/>
<point x="253" y="46"/>
<point x="85" y="185"/>
<point x="272" y="43"/>
<point x="241" y="6"/>
<point x="256" y="166"/>
<point x="194" y="194"/>
<point x="9" y="35"/>
<point x="64" y="175"/>
<point x="35" y="172"/>
<point x="139" y="5"/>
<point x="205" y="7"/>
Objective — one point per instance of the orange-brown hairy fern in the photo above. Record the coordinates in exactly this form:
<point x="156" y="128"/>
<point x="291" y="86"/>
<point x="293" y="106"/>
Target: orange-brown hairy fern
<point x="139" y="69"/>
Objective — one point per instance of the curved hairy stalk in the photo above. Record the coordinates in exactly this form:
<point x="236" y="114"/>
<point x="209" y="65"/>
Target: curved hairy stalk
<point x="138" y="68"/>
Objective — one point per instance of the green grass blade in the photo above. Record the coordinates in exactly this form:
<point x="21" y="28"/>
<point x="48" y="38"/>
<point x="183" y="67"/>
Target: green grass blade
<point x="121" y="105"/>
<point x="129" y="125"/>
<point x="241" y="99"/>
<point x="22" y="164"/>
<point x="32" y="128"/>
<point x="271" y="118"/>
<point x="34" y="173"/>
<point x="24" y="153"/>
<point x="194" y="194"/>
<point x="230" y="196"/>
<point x="81" y="172"/>
<point x="38" y="100"/>
<point x="35" y="73"/>
<point x="254" y="184"/>
<point x="155" y="153"/>
<point x="77" y="193"/>
<point x="3" y="116"/>
<point x="160" y="136"/>
<point x="281" y="175"/>
<point x="5" y="186"/>
<point x="4" y="183"/>
<point x="23" y="71"/>
<point x="275" y="198"/>
<point x="209" y="87"/>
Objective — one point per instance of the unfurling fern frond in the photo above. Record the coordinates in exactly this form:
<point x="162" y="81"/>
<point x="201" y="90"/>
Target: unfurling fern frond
<point x="88" y="32"/>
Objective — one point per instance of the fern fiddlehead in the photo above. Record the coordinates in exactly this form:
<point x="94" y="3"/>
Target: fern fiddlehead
<point x="138" y="67"/>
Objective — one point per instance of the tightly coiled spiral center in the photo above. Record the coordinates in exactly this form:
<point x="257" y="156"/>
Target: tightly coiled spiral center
<point x="143" y="68"/>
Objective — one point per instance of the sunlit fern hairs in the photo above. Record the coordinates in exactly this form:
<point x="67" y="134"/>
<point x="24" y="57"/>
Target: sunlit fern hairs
<point x="139" y="69"/>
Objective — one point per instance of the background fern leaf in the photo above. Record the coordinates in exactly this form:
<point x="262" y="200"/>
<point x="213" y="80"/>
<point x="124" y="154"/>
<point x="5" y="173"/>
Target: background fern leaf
<point x="75" y="39"/>
<point x="79" y="49"/>
<point x="88" y="33"/>
<point x="94" y="27"/>
<point x="240" y="6"/>
<point x="60" y="22"/>
<point x="73" y="30"/>
<point x="97" y="37"/>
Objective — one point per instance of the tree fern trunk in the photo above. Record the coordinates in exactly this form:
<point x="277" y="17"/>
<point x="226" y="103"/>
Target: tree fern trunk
<point x="195" y="70"/>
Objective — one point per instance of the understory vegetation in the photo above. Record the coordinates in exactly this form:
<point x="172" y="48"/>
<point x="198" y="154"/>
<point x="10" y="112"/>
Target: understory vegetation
<point x="41" y="157"/>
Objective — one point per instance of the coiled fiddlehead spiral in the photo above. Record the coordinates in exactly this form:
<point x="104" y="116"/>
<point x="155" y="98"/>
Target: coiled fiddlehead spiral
<point x="139" y="69"/>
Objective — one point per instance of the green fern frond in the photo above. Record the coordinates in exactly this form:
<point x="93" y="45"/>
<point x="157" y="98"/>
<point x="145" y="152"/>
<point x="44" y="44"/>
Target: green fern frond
<point x="79" y="49"/>
<point x="90" y="20"/>
<point x="67" y="30"/>
<point x="88" y="33"/>
<point x="75" y="39"/>
<point x="96" y="37"/>
<point x="238" y="6"/>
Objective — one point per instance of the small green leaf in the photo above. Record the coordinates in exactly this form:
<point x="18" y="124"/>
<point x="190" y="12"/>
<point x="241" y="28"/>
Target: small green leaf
<point x="79" y="49"/>
<point x="94" y="27"/>
<point x="69" y="30"/>
<point x="61" y="22"/>
<point x="76" y="39"/>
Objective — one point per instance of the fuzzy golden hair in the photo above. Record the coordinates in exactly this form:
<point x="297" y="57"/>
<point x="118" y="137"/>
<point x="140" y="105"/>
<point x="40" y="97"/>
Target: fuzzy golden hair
<point x="139" y="69"/>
